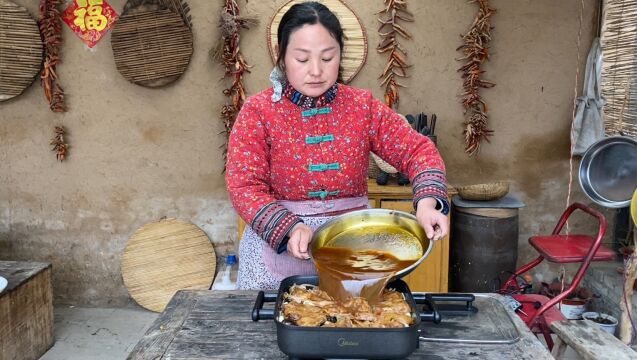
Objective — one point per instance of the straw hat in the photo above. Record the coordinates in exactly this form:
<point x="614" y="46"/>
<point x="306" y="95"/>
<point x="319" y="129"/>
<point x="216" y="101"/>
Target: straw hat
<point x="354" y="39"/>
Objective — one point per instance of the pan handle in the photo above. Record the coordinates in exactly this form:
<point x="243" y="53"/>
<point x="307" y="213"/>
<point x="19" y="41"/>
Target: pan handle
<point x="432" y="314"/>
<point x="440" y="299"/>
<point x="258" y="312"/>
<point x="470" y="298"/>
<point x="454" y="309"/>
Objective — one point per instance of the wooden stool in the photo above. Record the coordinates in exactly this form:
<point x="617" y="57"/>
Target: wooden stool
<point x="589" y="341"/>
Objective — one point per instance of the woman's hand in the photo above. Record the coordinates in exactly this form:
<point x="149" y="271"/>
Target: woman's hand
<point x="300" y="238"/>
<point x="434" y="222"/>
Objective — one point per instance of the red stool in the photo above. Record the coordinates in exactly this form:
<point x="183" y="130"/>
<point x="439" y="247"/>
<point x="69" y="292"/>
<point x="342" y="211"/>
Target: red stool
<point x="574" y="248"/>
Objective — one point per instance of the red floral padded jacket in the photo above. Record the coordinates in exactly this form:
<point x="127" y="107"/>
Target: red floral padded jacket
<point x="311" y="150"/>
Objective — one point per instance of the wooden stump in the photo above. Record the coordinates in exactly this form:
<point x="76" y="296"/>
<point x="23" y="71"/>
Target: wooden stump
<point x="26" y="310"/>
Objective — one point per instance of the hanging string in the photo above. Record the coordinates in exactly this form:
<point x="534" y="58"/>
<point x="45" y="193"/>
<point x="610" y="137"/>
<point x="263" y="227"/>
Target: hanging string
<point x="570" y="160"/>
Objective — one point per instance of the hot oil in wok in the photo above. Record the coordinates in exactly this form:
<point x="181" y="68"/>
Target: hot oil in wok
<point x="345" y="273"/>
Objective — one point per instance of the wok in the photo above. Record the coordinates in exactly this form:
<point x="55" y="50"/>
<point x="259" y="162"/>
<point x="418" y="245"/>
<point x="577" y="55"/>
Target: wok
<point x="392" y="231"/>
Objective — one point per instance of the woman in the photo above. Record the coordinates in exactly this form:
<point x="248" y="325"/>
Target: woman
<point x="298" y="152"/>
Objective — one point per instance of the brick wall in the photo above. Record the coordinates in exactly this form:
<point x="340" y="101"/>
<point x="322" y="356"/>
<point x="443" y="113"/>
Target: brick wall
<point x="603" y="279"/>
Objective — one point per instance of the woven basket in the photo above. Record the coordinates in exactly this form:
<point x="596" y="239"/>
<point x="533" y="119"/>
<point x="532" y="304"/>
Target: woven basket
<point x="383" y="165"/>
<point x="152" y="44"/>
<point x="484" y="192"/>
<point x="20" y="49"/>
<point x="372" y="170"/>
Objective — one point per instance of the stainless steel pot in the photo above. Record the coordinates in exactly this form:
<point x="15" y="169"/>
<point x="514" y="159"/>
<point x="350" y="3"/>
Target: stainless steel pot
<point x="393" y="231"/>
<point x="608" y="171"/>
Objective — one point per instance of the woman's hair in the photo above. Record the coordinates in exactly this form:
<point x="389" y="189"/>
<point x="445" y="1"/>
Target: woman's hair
<point x="311" y="13"/>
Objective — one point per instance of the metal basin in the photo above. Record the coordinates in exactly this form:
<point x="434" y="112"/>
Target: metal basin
<point x="608" y="171"/>
<point x="392" y="231"/>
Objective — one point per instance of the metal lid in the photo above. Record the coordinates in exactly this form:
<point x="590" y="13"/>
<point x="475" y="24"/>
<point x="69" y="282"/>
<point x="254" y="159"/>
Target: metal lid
<point x="608" y="171"/>
<point x="506" y="202"/>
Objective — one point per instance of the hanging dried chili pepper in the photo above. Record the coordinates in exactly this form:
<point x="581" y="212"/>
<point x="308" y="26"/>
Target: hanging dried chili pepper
<point x="234" y="63"/>
<point x="51" y="29"/>
<point x="60" y="147"/>
<point x="389" y="31"/>
<point x="476" y="51"/>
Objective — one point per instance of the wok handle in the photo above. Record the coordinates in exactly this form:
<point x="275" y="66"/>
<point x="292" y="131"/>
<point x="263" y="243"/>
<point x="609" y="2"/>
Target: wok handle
<point x="258" y="312"/>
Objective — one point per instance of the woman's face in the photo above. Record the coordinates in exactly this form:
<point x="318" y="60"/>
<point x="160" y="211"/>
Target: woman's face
<point x="312" y="60"/>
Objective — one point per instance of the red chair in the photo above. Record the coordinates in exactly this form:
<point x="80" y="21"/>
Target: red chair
<point x="538" y="311"/>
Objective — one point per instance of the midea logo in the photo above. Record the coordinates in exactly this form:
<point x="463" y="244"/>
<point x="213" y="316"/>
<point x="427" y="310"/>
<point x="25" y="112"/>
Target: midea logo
<point x="343" y="342"/>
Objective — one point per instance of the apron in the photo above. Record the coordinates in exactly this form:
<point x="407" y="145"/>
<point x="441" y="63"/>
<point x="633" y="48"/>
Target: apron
<point x="261" y="268"/>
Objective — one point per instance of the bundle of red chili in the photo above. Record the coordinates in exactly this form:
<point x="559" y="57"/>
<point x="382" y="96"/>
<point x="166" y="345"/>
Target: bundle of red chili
<point x="51" y="29"/>
<point x="59" y="146"/>
<point x="389" y="31"/>
<point x="476" y="51"/>
<point x="234" y="63"/>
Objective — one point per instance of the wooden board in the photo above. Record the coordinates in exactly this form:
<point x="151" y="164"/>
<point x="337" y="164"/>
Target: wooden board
<point x="20" y="50"/>
<point x="589" y="341"/>
<point x="26" y="310"/>
<point x="166" y="256"/>
<point x="152" y="46"/>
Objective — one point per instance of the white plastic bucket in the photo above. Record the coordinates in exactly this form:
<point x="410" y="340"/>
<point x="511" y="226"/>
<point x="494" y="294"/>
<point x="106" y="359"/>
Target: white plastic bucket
<point x="609" y="328"/>
<point x="572" y="309"/>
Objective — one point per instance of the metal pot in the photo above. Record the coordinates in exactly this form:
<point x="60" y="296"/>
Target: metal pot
<point x="608" y="171"/>
<point x="393" y="231"/>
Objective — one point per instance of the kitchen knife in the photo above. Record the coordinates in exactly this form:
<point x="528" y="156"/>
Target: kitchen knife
<point x="412" y="120"/>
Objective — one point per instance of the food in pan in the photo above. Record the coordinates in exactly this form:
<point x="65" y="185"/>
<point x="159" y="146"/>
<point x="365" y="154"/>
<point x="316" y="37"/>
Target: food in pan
<point x="307" y="305"/>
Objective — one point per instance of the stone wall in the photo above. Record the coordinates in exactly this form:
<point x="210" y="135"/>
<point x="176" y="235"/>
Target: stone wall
<point x="607" y="284"/>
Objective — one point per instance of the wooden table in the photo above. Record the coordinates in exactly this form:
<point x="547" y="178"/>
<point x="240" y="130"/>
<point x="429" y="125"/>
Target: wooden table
<point x="203" y="324"/>
<point x="26" y="310"/>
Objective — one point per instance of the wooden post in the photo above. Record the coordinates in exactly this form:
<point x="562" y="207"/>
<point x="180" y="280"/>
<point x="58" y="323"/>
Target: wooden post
<point x="625" y="325"/>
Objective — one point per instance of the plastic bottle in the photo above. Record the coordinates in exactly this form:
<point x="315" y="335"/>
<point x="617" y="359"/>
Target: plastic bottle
<point x="225" y="280"/>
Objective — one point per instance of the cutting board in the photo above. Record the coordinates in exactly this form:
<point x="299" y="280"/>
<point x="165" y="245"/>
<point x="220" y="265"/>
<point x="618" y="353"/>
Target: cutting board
<point x="164" y="257"/>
